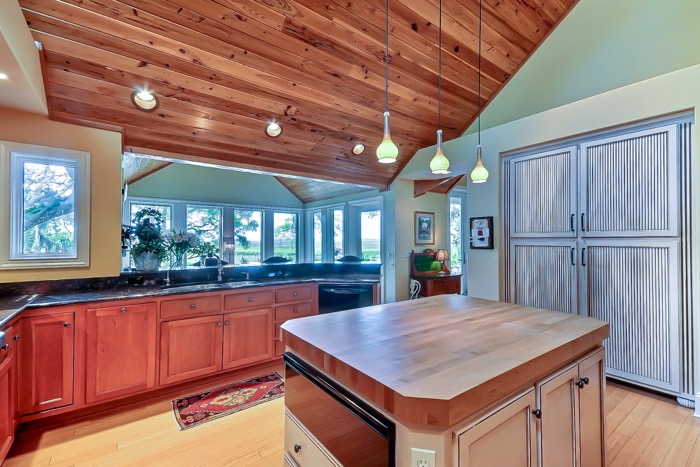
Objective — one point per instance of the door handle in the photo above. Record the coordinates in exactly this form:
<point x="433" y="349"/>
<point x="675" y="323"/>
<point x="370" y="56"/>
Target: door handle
<point x="583" y="222"/>
<point x="571" y="223"/>
<point x="583" y="256"/>
<point x="573" y="256"/>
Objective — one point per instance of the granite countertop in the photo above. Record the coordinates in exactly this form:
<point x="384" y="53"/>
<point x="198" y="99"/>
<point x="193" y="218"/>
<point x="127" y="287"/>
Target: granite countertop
<point x="11" y="306"/>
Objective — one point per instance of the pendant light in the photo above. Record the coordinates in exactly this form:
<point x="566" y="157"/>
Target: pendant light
<point x="440" y="165"/>
<point x="387" y="150"/>
<point x="479" y="174"/>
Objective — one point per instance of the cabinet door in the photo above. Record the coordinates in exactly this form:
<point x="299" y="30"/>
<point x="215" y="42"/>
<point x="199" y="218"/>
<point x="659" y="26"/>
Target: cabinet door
<point x="248" y="337"/>
<point x="7" y="405"/>
<point x="556" y="429"/>
<point x="592" y="409"/>
<point x="120" y="351"/>
<point x="190" y="348"/>
<point x="46" y="372"/>
<point x="505" y="437"/>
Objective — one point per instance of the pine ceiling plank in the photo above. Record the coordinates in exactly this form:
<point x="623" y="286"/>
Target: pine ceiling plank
<point x="312" y="190"/>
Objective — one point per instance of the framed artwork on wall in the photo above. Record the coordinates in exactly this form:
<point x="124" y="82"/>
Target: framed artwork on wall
<point x="481" y="233"/>
<point x="424" y="225"/>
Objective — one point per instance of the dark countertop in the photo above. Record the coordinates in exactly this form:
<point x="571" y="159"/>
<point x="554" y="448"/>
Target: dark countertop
<point x="11" y="306"/>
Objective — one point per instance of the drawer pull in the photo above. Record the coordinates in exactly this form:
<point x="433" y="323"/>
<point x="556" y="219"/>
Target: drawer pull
<point x="295" y="310"/>
<point x="218" y="324"/>
<point x="294" y="294"/>
<point x="193" y="306"/>
<point x="227" y="323"/>
<point x="297" y="448"/>
<point x="16" y="338"/>
<point x="5" y="347"/>
<point x="250" y="299"/>
<point x="66" y="324"/>
<point x="123" y="309"/>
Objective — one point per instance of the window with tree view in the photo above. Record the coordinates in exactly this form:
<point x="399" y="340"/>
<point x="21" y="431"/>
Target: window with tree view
<point x="48" y="214"/>
<point x="318" y="237"/>
<point x="205" y="222"/>
<point x="285" y="235"/>
<point x="248" y="232"/>
<point x="370" y="234"/>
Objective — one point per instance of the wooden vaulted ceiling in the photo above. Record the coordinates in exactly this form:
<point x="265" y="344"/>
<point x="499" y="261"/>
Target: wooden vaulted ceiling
<point x="223" y="68"/>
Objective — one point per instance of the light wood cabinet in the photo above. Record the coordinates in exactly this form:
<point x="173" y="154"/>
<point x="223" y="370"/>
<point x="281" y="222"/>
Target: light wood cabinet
<point x="46" y="372"/>
<point x="570" y="429"/>
<point x="120" y="351"/>
<point x="503" y="437"/>
<point x="190" y="348"/>
<point x="8" y="392"/>
<point x="247" y="337"/>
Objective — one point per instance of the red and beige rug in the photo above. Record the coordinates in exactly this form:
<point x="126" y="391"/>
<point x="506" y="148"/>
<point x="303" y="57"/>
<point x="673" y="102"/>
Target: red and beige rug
<point x="196" y="409"/>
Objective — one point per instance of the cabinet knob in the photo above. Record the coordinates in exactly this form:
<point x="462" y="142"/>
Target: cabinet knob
<point x="580" y="384"/>
<point x="250" y="299"/>
<point x="219" y="324"/>
<point x="295" y="310"/>
<point x="227" y="323"/>
<point x="294" y="294"/>
<point x="16" y="338"/>
<point x="5" y="347"/>
<point x="66" y="324"/>
<point x="193" y="306"/>
<point x="123" y="310"/>
<point x="537" y="413"/>
<point x="297" y="448"/>
<point x="585" y="380"/>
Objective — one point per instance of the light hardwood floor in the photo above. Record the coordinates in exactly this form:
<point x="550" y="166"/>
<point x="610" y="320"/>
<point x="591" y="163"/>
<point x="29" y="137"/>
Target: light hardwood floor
<point x="642" y="430"/>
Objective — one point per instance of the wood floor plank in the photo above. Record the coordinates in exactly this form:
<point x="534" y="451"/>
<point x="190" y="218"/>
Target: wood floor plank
<point x="642" y="429"/>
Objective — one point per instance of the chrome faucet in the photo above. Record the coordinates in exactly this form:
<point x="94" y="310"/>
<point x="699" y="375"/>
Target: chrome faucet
<point x="219" y="268"/>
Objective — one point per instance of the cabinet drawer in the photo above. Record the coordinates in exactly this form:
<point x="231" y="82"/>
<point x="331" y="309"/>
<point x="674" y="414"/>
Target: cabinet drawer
<point x="299" y="446"/>
<point x="285" y="312"/>
<point x="115" y="310"/>
<point x="293" y="294"/>
<point x="190" y="306"/>
<point x="247" y="299"/>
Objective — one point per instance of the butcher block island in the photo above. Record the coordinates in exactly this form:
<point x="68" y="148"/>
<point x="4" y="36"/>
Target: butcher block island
<point x="445" y="381"/>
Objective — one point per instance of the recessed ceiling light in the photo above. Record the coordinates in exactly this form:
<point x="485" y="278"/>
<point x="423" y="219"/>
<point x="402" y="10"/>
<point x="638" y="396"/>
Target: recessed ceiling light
<point x="273" y="130"/>
<point x="144" y="100"/>
<point x="4" y="76"/>
<point x="358" y="149"/>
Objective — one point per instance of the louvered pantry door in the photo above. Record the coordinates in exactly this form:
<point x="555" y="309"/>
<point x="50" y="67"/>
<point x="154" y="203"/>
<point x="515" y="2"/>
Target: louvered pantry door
<point x="630" y="185"/>
<point x="634" y="286"/>
<point x="543" y="196"/>
<point x="543" y="273"/>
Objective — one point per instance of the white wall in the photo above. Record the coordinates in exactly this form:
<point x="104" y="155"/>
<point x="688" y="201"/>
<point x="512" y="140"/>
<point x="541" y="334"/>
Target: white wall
<point x="206" y="184"/>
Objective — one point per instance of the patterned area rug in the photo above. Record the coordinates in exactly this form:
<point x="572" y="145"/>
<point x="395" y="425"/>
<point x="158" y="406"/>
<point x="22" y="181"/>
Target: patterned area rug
<point x="196" y="409"/>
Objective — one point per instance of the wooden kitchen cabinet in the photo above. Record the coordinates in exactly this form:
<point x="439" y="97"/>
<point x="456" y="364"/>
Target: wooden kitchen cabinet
<point x="120" y="352"/>
<point x="439" y="285"/>
<point x="503" y="437"/>
<point x="8" y="392"/>
<point x="247" y="337"/>
<point x="570" y="429"/>
<point x="190" y="348"/>
<point x="47" y="363"/>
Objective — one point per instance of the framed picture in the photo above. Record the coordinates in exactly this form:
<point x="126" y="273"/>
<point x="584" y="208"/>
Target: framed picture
<point x="481" y="233"/>
<point x="424" y="228"/>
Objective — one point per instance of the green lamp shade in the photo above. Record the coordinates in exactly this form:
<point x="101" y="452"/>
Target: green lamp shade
<point x="479" y="174"/>
<point x="440" y="164"/>
<point x="387" y="152"/>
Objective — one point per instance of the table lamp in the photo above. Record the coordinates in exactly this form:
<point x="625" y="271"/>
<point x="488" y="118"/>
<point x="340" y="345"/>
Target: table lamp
<point x="442" y="256"/>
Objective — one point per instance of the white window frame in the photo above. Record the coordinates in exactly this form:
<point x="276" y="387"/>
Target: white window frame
<point x="12" y="157"/>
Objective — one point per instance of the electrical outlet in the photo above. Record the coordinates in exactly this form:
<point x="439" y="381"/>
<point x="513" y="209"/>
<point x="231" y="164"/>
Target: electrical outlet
<point x="422" y="457"/>
<point x="391" y="255"/>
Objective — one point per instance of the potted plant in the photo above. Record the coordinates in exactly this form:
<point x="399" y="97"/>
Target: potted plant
<point x="149" y="249"/>
<point x="205" y="251"/>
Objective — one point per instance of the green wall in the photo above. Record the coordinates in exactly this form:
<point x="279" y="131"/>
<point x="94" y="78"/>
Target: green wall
<point x="206" y="184"/>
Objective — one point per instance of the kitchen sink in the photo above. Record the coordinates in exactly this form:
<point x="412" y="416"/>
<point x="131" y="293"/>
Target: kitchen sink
<point x="211" y="285"/>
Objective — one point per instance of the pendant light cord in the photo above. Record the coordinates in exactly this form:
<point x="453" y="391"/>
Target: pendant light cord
<point x="479" y="79"/>
<point x="386" y="58"/>
<point x="440" y="71"/>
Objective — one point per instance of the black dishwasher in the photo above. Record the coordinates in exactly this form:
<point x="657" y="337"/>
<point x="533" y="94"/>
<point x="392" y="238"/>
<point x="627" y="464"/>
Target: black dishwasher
<point x="339" y="297"/>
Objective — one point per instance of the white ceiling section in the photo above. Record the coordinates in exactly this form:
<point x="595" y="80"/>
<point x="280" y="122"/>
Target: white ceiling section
<point x="19" y="59"/>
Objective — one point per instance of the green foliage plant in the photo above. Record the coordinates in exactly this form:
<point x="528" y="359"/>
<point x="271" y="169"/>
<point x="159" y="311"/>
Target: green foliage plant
<point x="148" y="234"/>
